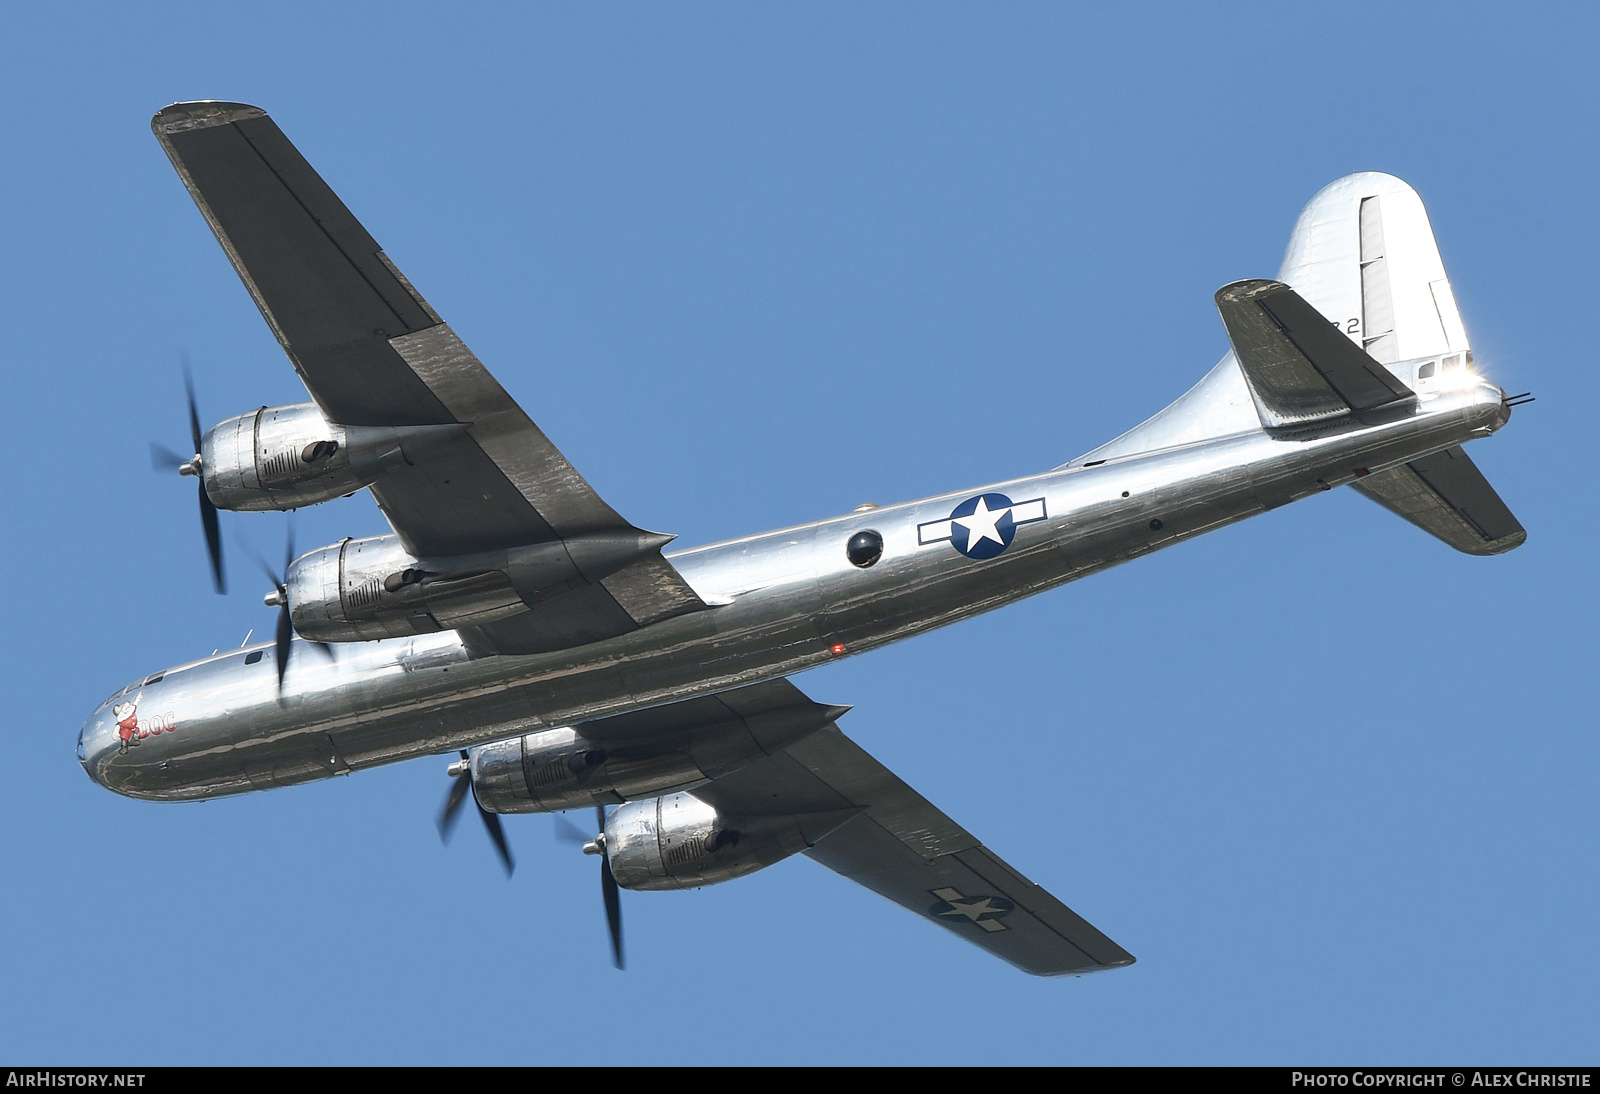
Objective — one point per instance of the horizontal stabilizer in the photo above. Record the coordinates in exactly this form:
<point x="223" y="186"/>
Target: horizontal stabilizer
<point x="1447" y="496"/>
<point x="1303" y="371"/>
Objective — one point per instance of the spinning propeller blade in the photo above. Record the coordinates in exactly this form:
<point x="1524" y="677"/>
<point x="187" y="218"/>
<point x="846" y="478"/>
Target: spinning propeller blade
<point x="280" y="597"/>
<point x="611" y="895"/>
<point x="461" y="773"/>
<point x="452" y="804"/>
<point x="208" y="512"/>
<point x="567" y="832"/>
<point x="491" y="824"/>
<point x="609" y="890"/>
<point x="163" y="458"/>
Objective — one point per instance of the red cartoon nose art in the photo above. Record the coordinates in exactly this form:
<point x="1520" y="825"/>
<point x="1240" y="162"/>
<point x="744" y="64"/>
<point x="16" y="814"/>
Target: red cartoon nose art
<point x="131" y="729"/>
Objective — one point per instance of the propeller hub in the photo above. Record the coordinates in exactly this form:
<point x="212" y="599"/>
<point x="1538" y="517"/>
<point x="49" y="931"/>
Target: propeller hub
<point x="190" y="468"/>
<point x="458" y="768"/>
<point x="596" y="846"/>
<point x="277" y="598"/>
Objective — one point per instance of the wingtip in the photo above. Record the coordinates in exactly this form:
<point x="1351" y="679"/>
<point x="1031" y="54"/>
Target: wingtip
<point x="1251" y="288"/>
<point x="1499" y="546"/>
<point x="201" y="114"/>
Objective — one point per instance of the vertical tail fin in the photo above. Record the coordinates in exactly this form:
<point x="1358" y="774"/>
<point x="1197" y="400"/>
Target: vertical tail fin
<point x="1363" y="254"/>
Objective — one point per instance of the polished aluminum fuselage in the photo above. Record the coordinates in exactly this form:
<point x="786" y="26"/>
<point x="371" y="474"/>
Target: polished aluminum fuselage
<point x="782" y="602"/>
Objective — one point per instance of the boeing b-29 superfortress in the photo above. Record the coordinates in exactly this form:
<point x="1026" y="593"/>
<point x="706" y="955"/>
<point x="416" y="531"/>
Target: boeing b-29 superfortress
<point x="515" y="618"/>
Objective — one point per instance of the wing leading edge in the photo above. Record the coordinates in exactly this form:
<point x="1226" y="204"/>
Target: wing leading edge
<point x="372" y="352"/>
<point x="904" y="848"/>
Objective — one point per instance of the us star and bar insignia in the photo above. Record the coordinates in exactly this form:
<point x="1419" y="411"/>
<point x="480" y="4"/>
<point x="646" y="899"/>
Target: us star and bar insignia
<point x="982" y="526"/>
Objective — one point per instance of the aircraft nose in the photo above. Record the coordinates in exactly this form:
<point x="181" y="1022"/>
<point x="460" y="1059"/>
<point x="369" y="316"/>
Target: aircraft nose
<point x="98" y="746"/>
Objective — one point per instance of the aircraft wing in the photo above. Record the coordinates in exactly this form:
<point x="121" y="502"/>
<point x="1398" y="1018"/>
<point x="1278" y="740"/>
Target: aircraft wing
<point x="372" y="352"/>
<point x="902" y="847"/>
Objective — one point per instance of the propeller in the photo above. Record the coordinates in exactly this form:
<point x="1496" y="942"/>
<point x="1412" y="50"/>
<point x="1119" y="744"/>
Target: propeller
<point x="163" y="458"/>
<point x="279" y="598"/>
<point x="609" y="890"/>
<point x="461" y="772"/>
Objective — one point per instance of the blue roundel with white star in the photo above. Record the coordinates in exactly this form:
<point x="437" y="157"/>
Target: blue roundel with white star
<point x="983" y="526"/>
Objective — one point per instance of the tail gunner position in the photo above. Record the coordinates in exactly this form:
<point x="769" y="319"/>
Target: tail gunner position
<point x="512" y="616"/>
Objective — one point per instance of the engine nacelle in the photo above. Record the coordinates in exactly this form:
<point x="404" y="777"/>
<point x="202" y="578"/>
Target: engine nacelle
<point x="564" y="769"/>
<point x="559" y="769"/>
<point x="286" y="457"/>
<point x="369" y="588"/>
<point x="679" y="842"/>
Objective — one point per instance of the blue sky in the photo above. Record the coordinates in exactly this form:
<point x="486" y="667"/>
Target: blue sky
<point x="751" y="265"/>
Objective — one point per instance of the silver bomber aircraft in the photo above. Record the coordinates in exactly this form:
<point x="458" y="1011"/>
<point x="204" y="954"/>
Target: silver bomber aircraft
<point x="515" y="618"/>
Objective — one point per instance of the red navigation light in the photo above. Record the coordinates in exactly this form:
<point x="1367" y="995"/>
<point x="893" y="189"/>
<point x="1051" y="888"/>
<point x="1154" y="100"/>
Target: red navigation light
<point x="838" y="648"/>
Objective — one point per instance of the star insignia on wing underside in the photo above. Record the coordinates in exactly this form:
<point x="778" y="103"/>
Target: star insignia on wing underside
<point x="984" y="912"/>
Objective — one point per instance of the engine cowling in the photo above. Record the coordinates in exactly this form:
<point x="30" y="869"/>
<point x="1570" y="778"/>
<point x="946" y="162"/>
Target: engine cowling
<point x="678" y="841"/>
<point x="286" y="457"/>
<point x="559" y="769"/>
<point x="562" y="768"/>
<point x="363" y="589"/>
<point x="370" y="588"/>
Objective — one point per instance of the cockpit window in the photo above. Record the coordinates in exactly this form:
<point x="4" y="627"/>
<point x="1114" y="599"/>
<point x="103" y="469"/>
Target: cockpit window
<point x="253" y="656"/>
<point x="1427" y="370"/>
